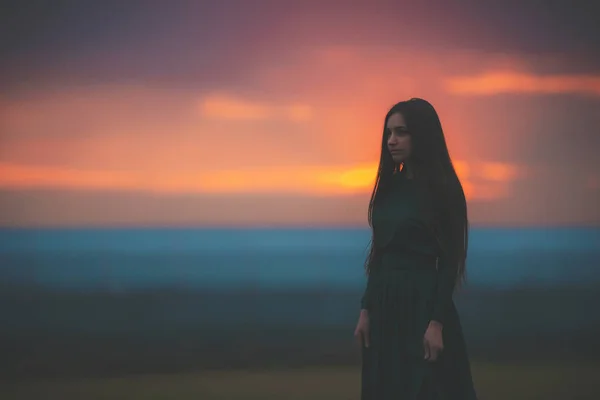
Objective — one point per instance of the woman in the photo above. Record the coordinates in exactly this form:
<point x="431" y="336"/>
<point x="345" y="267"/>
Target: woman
<point x="412" y="341"/>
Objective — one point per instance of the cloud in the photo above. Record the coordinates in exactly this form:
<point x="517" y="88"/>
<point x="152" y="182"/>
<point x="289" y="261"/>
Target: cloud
<point x="499" y="172"/>
<point x="140" y="128"/>
<point x="526" y="203"/>
<point x="16" y="176"/>
<point x="316" y="180"/>
<point x="235" y="108"/>
<point x="310" y="180"/>
<point x="493" y="83"/>
<point x="485" y="180"/>
<point x="72" y="112"/>
<point x="168" y="140"/>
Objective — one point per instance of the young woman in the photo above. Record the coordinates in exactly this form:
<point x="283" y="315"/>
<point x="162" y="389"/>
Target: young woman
<point x="411" y="337"/>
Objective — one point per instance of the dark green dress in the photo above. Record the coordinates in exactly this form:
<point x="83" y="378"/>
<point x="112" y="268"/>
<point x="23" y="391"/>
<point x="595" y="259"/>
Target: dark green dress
<point x="410" y="284"/>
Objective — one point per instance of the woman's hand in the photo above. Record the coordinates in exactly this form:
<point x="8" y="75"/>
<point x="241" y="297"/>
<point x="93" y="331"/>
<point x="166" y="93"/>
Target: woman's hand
<point x="361" y="333"/>
<point x="432" y="341"/>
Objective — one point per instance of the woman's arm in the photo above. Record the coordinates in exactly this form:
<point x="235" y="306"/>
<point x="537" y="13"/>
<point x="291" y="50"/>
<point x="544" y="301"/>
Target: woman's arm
<point x="451" y="237"/>
<point x="371" y="264"/>
<point x="365" y="299"/>
<point x="446" y="281"/>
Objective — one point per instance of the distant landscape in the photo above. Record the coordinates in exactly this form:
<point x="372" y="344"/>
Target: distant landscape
<point x="264" y="314"/>
<point x="94" y="303"/>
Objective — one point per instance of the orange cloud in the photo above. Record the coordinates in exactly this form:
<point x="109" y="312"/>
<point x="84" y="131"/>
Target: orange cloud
<point x="307" y="180"/>
<point x="227" y="107"/>
<point x="513" y="82"/>
<point x="24" y="176"/>
<point x="500" y="172"/>
<point x="486" y="191"/>
<point x="316" y="180"/>
<point x="493" y="180"/>
<point x="157" y="140"/>
<point x="462" y="169"/>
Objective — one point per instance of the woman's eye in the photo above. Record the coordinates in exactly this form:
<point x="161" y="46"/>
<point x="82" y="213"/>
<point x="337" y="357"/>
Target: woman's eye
<point x="400" y="132"/>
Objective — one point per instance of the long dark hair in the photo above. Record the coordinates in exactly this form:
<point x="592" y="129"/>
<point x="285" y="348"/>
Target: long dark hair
<point x="430" y="163"/>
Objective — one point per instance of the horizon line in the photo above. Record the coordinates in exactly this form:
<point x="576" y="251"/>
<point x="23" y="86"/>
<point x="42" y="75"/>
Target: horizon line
<point x="274" y="227"/>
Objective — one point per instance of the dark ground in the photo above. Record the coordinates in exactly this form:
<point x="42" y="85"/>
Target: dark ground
<point x="69" y="334"/>
<point x="174" y="344"/>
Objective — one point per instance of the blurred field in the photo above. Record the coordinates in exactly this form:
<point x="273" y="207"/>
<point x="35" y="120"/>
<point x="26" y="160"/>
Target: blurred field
<point x="493" y="381"/>
<point x="67" y="334"/>
<point x="188" y="315"/>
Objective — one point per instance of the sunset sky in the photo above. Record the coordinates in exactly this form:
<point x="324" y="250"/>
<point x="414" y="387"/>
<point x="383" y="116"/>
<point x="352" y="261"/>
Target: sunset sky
<point x="271" y="112"/>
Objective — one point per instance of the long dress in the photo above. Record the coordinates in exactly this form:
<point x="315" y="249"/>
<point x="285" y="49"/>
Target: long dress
<point x="410" y="284"/>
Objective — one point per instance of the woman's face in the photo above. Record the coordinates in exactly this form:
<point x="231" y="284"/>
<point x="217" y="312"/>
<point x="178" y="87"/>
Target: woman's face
<point x="398" y="138"/>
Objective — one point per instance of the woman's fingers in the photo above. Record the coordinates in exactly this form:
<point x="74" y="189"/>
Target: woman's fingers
<point x="362" y="337"/>
<point x="431" y="350"/>
<point x="433" y="353"/>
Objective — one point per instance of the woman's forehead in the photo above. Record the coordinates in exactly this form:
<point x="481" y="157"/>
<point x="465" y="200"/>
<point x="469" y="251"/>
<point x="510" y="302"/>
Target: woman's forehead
<point x="396" y="120"/>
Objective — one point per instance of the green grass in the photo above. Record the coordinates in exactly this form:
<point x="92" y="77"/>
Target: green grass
<point x="493" y="381"/>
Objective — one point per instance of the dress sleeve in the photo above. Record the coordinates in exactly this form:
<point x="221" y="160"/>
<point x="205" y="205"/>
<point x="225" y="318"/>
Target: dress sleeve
<point x="450" y="236"/>
<point x="365" y="299"/>
<point x="446" y="280"/>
